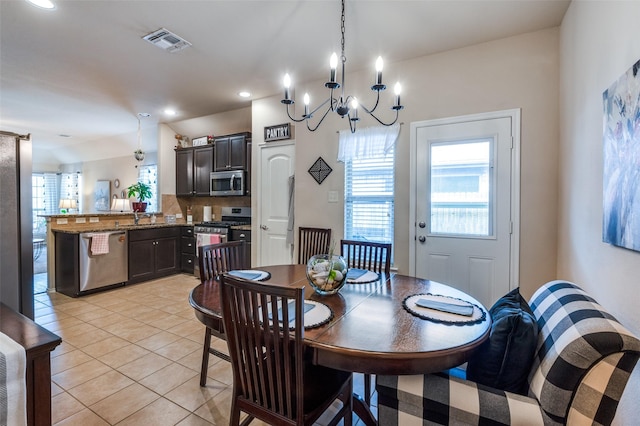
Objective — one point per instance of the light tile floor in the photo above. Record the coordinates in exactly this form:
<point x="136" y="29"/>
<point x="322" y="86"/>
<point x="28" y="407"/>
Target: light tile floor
<point x="131" y="356"/>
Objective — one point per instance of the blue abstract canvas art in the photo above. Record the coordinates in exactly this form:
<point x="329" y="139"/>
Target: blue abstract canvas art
<point x="621" y="186"/>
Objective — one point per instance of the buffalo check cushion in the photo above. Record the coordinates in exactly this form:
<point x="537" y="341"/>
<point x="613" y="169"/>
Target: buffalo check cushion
<point x="583" y="361"/>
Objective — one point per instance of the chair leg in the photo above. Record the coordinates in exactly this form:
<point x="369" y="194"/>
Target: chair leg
<point x="205" y="357"/>
<point x="367" y="389"/>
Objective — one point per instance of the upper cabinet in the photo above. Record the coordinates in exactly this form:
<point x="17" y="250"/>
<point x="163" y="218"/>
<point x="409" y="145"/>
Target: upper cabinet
<point x="193" y="169"/>
<point x="184" y="172"/>
<point x="195" y="164"/>
<point x="231" y="152"/>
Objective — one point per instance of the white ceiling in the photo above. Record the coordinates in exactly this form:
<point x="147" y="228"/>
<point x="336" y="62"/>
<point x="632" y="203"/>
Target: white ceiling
<point x="83" y="69"/>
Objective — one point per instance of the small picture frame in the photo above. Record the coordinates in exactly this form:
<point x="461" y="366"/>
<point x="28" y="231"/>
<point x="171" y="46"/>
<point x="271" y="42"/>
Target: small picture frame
<point x="202" y="140"/>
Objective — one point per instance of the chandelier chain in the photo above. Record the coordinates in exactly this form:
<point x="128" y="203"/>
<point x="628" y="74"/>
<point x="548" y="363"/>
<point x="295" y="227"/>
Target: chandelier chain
<point x="343" y="58"/>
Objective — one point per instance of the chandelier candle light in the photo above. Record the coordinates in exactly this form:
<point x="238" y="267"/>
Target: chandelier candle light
<point x="346" y="105"/>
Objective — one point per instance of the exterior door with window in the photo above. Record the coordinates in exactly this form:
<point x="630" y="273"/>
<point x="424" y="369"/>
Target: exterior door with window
<point x="463" y="204"/>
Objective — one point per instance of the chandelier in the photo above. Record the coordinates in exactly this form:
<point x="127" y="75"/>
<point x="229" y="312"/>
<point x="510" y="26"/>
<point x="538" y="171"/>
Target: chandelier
<point x="345" y="105"/>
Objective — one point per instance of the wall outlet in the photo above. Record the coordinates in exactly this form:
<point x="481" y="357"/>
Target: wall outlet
<point x="333" y="196"/>
<point x="178" y="215"/>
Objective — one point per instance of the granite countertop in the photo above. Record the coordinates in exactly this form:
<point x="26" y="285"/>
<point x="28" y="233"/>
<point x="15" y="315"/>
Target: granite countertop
<point x="96" y="214"/>
<point x="119" y="228"/>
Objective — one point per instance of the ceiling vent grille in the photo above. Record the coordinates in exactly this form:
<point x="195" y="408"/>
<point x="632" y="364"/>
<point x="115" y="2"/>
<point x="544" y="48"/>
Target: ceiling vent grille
<point x="167" y="40"/>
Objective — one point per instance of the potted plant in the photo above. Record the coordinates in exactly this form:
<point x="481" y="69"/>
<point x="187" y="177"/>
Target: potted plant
<point x="141" y="191"/>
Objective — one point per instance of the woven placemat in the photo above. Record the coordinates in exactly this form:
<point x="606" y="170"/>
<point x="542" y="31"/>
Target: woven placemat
<point x="250" y="274"/>
<point x="410" y="305"/>
<point x="315" y="315"/>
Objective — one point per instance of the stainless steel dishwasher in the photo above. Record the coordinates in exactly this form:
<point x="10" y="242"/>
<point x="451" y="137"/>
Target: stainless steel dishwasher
<point x="101" y="270"/>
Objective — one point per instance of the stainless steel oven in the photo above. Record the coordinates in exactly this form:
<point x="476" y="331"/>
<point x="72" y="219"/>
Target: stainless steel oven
<point x="221" y="231"/>
<point x="227" y="183"/>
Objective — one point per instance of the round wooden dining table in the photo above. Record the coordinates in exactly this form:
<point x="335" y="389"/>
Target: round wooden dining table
<point x="371" y="331"/>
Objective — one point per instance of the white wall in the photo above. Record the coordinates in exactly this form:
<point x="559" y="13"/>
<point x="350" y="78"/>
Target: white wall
<point x="517" y="72"/>
<point x="122" y="168"/>
<point x="598" y="43"/>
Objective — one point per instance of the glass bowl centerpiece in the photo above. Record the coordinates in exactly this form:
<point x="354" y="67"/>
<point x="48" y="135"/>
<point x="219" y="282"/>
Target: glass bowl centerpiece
<point x="327" y="273"/>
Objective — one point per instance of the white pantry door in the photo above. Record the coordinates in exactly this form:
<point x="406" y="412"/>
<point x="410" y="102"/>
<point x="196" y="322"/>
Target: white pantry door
<point x="277" y="164"/>
<point x="464" y="203"/>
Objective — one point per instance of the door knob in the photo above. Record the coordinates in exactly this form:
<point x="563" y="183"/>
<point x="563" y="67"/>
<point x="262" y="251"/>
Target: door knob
<point x="264" y="227"/>
<point x="422" y="224"/>
<point x="422" y="239"/>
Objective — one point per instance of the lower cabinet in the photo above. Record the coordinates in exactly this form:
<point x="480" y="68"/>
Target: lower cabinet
<point x="188" y="250"/>
<point x="153" y="253"/>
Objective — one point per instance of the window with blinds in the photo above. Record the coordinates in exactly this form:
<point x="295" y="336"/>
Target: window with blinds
<point x="149" y="174"/>
<point x="70" y="188"/>
<point x="46" y="191"/>
<point x="369" y="198"/>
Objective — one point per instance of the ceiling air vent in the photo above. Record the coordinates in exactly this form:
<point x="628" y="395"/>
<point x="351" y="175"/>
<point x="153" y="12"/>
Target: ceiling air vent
<point x="167" y="40"/>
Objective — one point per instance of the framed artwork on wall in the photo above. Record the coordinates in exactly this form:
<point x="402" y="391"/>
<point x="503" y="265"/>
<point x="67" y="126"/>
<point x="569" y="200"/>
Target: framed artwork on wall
<point x="102" y="195"/>
<point x="621" y="160"/>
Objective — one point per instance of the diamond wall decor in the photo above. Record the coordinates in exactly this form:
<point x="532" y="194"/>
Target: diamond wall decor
<point x="320" y="170"/>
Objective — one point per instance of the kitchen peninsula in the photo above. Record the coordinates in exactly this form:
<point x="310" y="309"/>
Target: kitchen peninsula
<point x="101" y="250"/>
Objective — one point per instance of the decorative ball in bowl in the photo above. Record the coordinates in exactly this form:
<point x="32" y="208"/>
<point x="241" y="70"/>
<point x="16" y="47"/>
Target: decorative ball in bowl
<point x="327" y="274"/>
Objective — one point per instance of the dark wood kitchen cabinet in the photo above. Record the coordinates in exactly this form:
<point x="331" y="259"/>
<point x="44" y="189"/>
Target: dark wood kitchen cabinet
<point x="184" y="172"/>
<point x="153" y="253"/>
<point x="231" y="152"/>
<point x="193" y="168"/>
<point x="188" y="257"/>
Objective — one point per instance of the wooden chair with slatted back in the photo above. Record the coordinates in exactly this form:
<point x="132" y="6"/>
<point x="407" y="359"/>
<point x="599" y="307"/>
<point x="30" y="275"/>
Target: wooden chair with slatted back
<point x="368" y="255"/>
<point x="374" y="257"/>
<point x="312" y="241"/>
<point x="273" y="381"/>
<point x="214" y="260"/>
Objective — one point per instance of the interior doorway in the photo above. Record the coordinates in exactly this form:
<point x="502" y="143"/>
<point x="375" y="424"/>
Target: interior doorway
<point x="277" y="166"/>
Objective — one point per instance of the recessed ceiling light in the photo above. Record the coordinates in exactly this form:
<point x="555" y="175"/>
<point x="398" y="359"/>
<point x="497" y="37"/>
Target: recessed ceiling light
<point x="170" y="111"/>
<point x="244" y="94"/>
<point x="45" y="4"/>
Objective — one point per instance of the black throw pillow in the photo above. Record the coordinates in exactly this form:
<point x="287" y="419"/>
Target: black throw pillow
<point x="504" y="360"/>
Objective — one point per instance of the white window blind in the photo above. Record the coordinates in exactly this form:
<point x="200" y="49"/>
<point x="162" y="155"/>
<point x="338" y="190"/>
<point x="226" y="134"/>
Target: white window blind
<point x="70" y="184"/>
<point x="369" y="195"/>
<point x="149" y="174"/>
<point x="44" y="200"/>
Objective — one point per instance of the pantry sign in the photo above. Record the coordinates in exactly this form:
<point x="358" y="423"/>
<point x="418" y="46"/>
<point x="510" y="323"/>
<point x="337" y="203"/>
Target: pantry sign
<point x="277" y="133"/>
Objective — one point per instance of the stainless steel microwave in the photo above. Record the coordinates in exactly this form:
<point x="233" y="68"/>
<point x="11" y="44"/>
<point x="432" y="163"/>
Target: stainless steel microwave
<point x="227" y="183"/>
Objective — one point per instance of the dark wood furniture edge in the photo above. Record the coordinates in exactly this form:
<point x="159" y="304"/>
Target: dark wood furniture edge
<point x="38" y="343"/>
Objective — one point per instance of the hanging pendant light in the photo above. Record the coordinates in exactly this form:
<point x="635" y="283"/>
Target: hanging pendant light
<point x="345" y="105"/>
<point x="139" y="153"/>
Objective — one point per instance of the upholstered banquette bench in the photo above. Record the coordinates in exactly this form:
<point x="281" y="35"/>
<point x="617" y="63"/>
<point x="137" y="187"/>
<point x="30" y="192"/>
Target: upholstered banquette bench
<point x="581" y="364"/>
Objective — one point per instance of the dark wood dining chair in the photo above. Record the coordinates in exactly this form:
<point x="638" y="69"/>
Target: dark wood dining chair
<point x="368" y="255"/>
<point x="312" y="241"/>
<point x="214" y="260"/>
<point x="273" y="380"/>
<point x="372" y="256"/>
